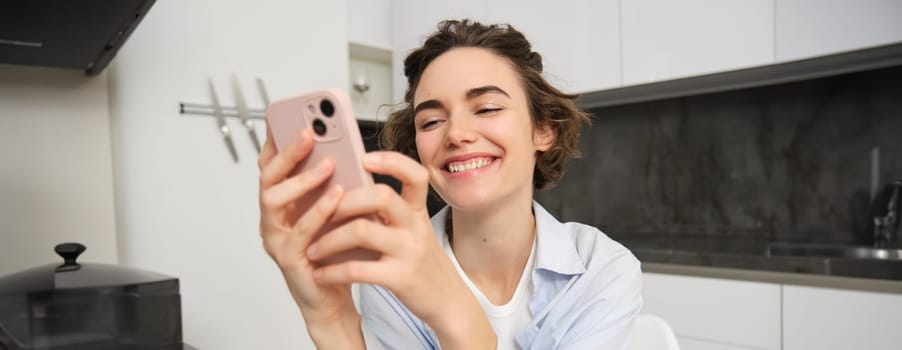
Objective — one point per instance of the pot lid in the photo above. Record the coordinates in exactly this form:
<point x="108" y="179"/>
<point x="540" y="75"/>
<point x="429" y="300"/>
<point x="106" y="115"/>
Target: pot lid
<point x="74" y="275"/>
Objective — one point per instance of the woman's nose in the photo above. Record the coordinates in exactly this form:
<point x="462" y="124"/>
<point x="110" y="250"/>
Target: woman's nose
<point x="461" y="132"/>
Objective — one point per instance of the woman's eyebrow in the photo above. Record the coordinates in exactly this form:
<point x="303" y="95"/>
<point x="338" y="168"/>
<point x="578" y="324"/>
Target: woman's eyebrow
<point x="471" y="94"/>
<point x="429" y="104"/>
<point x="476" y="92"/>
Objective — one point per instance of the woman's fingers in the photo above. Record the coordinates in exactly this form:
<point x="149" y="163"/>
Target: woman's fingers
<point x="358" y="233"/>
<point x="268" y="151"/>
<point x="296" y="186"/>
<point x="380" y="200"/>
<point x="314" y="219"/>
<point x="352" y="271"/>
<point x="414" y="178"/>
<point x="286" y="160"/>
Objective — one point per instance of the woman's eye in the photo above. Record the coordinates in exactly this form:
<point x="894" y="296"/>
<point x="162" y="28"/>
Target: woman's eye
<point x="484" y="111"/>
<point x="428" y="124"/>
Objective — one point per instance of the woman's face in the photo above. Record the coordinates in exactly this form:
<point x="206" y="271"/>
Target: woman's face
<point x="474" y="132"/>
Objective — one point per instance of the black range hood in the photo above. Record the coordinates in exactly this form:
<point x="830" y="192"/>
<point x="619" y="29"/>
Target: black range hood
<point x="79" y="34"/>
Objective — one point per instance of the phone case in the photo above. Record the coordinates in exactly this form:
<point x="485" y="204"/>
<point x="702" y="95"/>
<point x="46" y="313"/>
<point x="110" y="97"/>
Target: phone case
<point x="337" y="137"/>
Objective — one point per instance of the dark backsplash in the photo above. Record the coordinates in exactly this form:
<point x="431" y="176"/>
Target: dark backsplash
<point x="782" y="162"/>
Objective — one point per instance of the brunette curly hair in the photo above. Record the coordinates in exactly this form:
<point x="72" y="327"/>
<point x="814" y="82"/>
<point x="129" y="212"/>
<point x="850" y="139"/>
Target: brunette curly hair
<point x="549" y="107"/>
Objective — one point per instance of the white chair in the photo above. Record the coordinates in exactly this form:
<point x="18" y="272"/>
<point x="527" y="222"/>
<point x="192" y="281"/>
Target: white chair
<point x="653" y="333"/>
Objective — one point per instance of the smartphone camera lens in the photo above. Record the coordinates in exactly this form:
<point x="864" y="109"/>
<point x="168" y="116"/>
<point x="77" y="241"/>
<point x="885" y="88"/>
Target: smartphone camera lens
<point x="319" y="127"/>
<point x="327" y="108"/>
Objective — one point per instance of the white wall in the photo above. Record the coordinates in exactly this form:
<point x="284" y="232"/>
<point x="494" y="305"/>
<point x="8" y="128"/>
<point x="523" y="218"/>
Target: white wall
<point x="369" y="22"/>
<point x="56" y="179"/>
<point x="183" y="207"/>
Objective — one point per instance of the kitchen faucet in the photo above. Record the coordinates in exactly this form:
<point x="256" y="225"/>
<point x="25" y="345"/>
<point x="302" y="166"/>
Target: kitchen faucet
<point x="887" y="226"/>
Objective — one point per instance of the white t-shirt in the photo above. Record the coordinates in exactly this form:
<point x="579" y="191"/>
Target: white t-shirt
<point x="508" y="319"/>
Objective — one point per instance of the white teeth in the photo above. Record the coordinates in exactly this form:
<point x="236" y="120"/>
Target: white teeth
<point x="474" y="164"/>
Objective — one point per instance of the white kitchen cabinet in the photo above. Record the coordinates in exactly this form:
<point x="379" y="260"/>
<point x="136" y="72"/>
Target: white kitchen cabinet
<point x="822" y="318"/>
<point x="808" y="28"/>
<point x="708" y="313"/>
<point x="671" y="39"/>
<point x="696" y="344"/>
<point x="414" y="20"/>
<point x="370" y="52"/>
<point x="597" y="45"/>
<point x="370" y="66"/>
<point x="579" y="42"/>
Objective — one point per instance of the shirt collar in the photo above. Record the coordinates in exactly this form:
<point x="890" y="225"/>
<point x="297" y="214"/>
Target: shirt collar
<point x="555" y="247"/>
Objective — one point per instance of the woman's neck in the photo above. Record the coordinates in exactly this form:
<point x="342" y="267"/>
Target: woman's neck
<point x="492" y="245"/>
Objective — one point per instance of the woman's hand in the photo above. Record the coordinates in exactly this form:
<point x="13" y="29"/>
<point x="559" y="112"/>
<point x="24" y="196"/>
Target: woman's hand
<point x="412" y="264"/>
<point x="328" y="310"/>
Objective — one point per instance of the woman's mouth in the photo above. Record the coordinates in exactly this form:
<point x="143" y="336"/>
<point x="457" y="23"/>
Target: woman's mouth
<point x="458" y="167"/>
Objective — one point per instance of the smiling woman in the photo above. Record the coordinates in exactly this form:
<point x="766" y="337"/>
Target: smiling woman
<point x="493" y="269"/>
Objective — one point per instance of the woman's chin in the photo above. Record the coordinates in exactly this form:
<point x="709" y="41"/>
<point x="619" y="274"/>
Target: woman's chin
<point x="468" y="202"/>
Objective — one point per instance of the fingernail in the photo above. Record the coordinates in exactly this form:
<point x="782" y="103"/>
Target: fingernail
<point x="305" y="135"/>
<point x="311" y="251"/>
<point x="321" y="169"/>
<point x="317" y="275"/>
<point x="333" y="192"/>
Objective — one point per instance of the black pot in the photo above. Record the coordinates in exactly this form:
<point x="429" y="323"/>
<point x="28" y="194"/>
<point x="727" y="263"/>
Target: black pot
<point x="77" y="306"/>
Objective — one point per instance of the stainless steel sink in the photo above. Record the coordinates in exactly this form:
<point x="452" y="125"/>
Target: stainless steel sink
<point x="833" y="251"/>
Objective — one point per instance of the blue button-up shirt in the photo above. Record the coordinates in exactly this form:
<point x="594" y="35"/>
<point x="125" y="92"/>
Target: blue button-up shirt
<point x="587" y="294"/>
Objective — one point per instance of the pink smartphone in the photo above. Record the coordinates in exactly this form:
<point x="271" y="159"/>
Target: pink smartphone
<point x="336" y="135"/>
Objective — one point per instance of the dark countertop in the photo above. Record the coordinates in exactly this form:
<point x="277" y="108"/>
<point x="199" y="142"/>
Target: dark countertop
<point x="741" y="253"/>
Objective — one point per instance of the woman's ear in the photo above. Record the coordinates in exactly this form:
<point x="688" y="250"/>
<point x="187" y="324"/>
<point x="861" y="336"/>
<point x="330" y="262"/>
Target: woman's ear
<point x="544" y="137"/>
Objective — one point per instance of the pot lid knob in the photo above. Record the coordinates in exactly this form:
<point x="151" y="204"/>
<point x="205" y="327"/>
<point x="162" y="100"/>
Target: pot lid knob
<point x="69" y="252"/>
